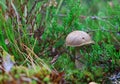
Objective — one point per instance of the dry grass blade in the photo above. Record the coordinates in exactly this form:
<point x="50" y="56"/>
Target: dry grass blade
<point x="17" y="15"/>
<point x="30" y="51"/>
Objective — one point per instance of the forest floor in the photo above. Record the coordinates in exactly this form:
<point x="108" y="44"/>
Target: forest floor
<point x="33" y="41"/>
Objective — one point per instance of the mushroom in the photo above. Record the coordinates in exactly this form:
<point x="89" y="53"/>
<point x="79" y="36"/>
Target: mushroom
<point x="92" y="83"/>
<point x="78" y="39"/>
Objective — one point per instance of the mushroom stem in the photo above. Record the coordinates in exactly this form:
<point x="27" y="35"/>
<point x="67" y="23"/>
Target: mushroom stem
<point x="78" y="58"/>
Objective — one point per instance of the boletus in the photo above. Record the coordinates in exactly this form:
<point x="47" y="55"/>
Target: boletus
<point x="78" y="39"/>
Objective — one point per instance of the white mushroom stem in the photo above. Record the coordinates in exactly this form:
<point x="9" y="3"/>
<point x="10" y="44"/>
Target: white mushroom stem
<point x="78" y="58"/>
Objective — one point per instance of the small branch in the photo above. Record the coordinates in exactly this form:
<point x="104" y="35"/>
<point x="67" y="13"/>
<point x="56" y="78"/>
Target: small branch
<point x="54" y="59"/>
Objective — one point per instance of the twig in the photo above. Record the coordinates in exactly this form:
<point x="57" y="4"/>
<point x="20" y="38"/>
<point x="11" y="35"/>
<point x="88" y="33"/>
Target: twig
<point x="54" y="59"/>
<point x="100" y="29"/>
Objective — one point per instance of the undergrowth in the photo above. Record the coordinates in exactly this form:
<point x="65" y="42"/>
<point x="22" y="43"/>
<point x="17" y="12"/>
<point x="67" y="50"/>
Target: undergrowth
<point x="35" y="30"/>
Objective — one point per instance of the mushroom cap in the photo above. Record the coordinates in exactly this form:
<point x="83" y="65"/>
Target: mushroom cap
<point x="92" y="83"/>
<point x="78" y="38"/>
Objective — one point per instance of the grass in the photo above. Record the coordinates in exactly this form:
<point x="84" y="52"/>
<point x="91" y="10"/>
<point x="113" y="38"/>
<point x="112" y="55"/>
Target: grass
<point x="34" y="28"/>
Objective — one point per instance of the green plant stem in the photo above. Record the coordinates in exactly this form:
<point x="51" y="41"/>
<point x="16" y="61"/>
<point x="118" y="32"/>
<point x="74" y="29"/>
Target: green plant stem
<point x="61" y="1"/>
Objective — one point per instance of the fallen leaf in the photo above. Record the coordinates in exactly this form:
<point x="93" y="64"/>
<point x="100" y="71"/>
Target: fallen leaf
<point x="8" y="60"/>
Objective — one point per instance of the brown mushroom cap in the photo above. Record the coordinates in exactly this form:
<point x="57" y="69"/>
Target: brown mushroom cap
<point x="78" y="38"/>
<point x="92" y="83"/>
